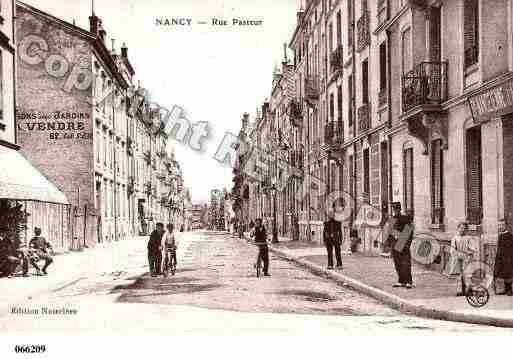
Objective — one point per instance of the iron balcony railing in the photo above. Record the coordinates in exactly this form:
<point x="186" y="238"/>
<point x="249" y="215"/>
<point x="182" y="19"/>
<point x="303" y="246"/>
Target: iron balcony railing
<point x="334" y="132"/>
<point x="337" y="59"/>
<point x="364" y="118"/>
<point x="426" y="84"/>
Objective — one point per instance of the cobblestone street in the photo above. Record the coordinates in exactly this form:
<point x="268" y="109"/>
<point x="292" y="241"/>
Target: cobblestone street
<point x="215" y="290"/>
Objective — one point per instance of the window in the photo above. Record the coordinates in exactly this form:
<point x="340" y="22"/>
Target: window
<point x="358" y="171"/>
<point x="408" y="180"/>
<point x="384" y="176"/>
<point x="474" y="176"/>
<point x="365" y="81"/>
<point x="350" y="97"/>
<point x="332" y="108"/>
<point x="382" y="66"/>
<point x="471" y="32"/>
<point x="105" y="146"/>
<point x="98" y="146"/>
<point x="330" y="38"/>
<point x="406" y="51"/>
<point x="366" y="171"/>
<point x="339" y="102"/>
<point x="374" y="172"/>
<point x="350" y="23"/>
<point x="437" y="202"/>
<point x="351" y="175"/>
<point x="339" y="28"/>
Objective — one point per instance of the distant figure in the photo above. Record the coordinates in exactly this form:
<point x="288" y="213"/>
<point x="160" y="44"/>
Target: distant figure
<point x="155" y="249"/>
<point x="400" y="238"/>
<point x="42" y="248"/>
<point x="332" y="237"/>
<point x="169" y="244"/>
<point x="504" y="260"/>
<point x="260" y="235"/>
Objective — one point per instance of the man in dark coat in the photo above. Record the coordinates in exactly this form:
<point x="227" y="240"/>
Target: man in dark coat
<point x="260" y="236"/>
<point x="504" y="261"/>
<point x="332" y="237"/>
<point x="399" y="239"/>
<point x="155" y="250"/>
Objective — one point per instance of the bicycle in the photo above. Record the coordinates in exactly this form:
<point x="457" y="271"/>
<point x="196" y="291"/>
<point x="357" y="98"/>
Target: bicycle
<point x="258" y="263"/>
<point x="169" y="262"/>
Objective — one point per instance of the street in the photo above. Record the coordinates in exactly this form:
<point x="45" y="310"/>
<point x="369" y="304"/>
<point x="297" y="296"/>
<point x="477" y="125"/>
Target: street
<point x="215" y="291"/>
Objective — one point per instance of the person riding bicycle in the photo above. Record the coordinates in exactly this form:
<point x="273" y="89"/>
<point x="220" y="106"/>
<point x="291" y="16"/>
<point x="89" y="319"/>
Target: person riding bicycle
<point x="169" y="245"/>
<point x="260" y="237"/>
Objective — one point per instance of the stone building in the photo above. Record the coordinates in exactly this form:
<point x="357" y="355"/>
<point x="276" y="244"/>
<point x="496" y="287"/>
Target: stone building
<point x="26" y="195"/>
<point x="79" y="122"/>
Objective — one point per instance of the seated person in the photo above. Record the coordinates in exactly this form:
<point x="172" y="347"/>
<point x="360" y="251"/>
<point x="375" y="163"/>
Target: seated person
<point x="42" y="249"/>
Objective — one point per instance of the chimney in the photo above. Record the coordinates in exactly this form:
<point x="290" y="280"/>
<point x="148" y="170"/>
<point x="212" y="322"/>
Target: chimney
<point x="124" y="51"/>
<point x="94" y="25"/>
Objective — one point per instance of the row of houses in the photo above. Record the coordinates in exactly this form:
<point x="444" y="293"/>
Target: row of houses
<point x="84" y="154"/>
<point x="388" y="100"/>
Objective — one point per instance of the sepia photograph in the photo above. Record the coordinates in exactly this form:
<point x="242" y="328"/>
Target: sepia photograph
<point x="254" y="169"/>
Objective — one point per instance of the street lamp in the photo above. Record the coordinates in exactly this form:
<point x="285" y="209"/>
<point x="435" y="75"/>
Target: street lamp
<point x="275" y="230"/>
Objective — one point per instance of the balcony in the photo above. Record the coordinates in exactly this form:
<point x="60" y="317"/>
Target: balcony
<point x="334" y="133"/>
<point x="363" y="33"/>
<point x="364" y="118"/>
<point x="337" y="59"/>
<point x="295" y="113"/>
<point x="426" y="84"/>
<point x="312" y="89"/>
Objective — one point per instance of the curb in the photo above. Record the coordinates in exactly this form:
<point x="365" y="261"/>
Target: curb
<point x="394" y="301"/>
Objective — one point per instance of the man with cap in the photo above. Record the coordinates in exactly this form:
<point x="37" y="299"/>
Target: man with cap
<point x="399" y="238"/>
<point x="332" y="237"/>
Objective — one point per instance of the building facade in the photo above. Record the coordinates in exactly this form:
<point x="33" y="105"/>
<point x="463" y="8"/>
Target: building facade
<point x="77" y="98"/>
<point x="395" y="100"/>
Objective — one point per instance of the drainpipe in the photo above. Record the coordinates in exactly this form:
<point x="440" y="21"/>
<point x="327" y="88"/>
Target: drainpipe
<point x="115" y="201"/>
<point x="389" y="122"/>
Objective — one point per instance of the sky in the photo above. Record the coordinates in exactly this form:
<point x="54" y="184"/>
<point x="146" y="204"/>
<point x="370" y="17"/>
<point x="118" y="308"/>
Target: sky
<point x="215" y="73"/>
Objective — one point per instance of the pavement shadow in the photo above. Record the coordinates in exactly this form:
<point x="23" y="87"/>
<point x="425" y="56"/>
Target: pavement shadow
<point x="148" y="287"/>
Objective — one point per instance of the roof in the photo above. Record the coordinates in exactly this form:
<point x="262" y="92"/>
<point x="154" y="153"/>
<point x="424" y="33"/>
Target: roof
<point x="20" y="180"/>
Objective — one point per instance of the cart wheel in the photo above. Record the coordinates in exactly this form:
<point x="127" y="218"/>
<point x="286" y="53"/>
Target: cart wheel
<point x="478" y="296"/>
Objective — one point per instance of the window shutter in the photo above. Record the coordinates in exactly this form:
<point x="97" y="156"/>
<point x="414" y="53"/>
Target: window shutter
<point x="437" y="181"/>
<point x="382" y="66"/>
<point x="358" y="171"/>
<point x="474" y="176"/>
<point x="470" y="29"/>
<point x="365" y="81"/>
<point x="435" y="42"/>
<point x="408" y="179"/>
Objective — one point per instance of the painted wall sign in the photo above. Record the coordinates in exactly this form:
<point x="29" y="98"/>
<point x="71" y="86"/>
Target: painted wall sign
<point x="493" y="102"/>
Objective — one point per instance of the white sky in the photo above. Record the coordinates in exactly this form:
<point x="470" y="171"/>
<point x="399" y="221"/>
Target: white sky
<point x="216" y="74"/>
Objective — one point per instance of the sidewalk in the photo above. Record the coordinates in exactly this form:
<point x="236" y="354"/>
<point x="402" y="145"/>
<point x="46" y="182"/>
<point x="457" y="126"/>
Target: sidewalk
<point x="434" y="295"/>
<point x="67" y="269"/>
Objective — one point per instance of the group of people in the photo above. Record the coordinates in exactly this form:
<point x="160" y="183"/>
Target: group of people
<point x="162" y="242"/>
<point x="12" y="256"/>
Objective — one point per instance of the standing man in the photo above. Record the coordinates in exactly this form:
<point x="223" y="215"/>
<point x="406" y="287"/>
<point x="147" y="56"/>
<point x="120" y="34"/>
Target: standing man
<point x="332" y="237"/>
<point x="42" y="248"/>
<point x="504" y="260"/>
<point x="155" y="249"/>
<point x="399" y="238"/>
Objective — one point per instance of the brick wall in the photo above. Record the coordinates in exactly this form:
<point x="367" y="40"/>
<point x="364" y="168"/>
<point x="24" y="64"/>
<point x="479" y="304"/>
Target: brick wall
<point x="54" y="125"/>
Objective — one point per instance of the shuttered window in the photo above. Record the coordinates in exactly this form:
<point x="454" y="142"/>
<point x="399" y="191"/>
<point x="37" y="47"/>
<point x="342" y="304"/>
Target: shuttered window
<point x="474" y="176"/>
<point x="358" y="171"/>
<point x="382" y="66"/>
<point x="350" y="97"/>
<point x="351" y="174"/>
<point x="374" y="174"/>
<point x="437" y="200"/>
<point x="332" y="107"/>
<point x="406" y="53"/>
<point x="408" y="180"/>
<point x="366" y="171"/>
<point x="365" y="81"/>
<point x="471" y="32"/>
<point x="350" y="23"/>
<point x="339" y="28"/>
<point x="435" y="34"/>
<point x="339" y="102"/>
<point x="384" y="175"/>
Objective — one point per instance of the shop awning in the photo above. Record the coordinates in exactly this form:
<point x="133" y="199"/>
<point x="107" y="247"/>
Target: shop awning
<point x="20" y="180"/>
